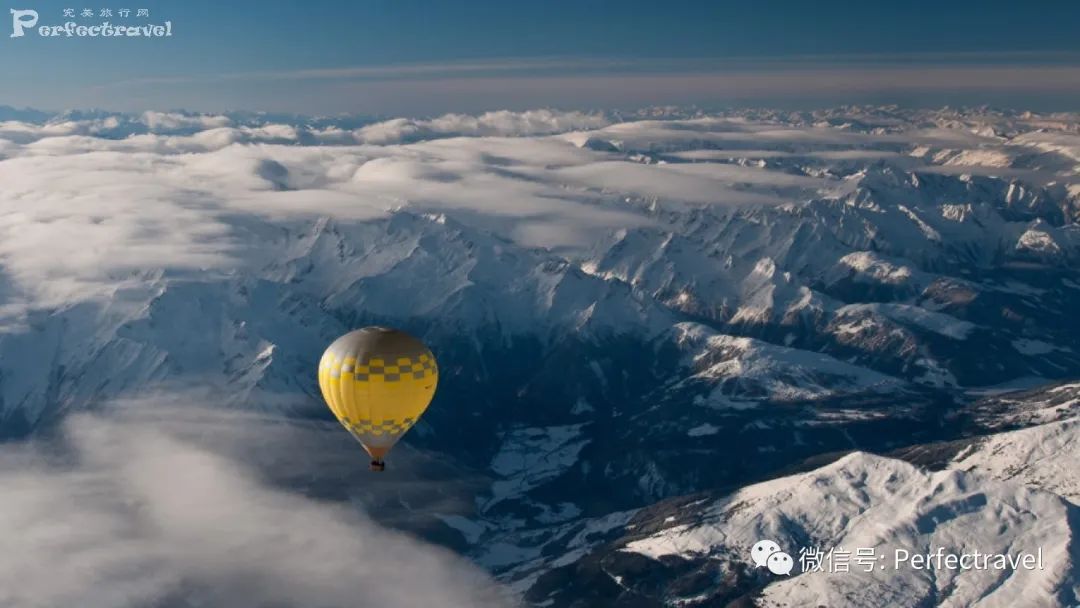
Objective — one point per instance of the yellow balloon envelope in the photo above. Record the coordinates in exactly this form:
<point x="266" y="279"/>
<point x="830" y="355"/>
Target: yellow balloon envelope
<point x="378" y="382"/>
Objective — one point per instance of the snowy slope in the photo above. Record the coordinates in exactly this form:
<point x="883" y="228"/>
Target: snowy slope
<point x="1042" y="457"/>
<point x="700" y="547"/>
<point x="1008" y="491"/>
<point x="749" y="370"/>
<point x="1025" y="408"/>
<point x="889" y="505"/>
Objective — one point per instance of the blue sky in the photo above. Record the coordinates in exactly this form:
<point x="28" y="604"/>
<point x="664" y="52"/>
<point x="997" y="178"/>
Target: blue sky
<point x="428" y="57"/>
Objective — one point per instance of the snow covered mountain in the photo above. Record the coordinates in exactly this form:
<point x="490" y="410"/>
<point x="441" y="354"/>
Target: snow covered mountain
<point x="621" y="304"/>
<point x="1008" y="493"/>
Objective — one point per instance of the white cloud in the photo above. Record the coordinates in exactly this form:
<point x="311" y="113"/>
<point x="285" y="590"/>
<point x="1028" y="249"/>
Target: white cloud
<point x="159" y="122"/>
<point x="72" y="226"/>
<point x="697" y="183"/>
<point x="91" y="202"/>
<point x="500" y="123"/>
<point x="125" y="512"/>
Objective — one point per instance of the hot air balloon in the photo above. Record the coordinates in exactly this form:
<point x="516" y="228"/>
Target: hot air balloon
<point x="378" y="381"/>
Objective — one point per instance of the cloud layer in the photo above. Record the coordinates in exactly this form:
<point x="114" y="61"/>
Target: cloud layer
<point x="122" y="511"/>
<point x="93" y="201"/>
